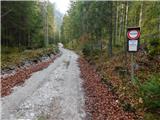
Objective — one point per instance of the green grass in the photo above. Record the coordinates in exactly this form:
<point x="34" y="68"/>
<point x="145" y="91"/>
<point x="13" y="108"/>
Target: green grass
<point x="14" y="56"/>
<point x="150" y="92"/>
<point x="151" y="116"/>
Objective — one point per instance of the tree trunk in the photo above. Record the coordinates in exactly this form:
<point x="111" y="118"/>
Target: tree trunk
<point x="19" y="39"/>
<point x="29" y="41"/>
<point x="140" y="15"/>
<point x="110" y="32"/>
<point x="125" y="33"/>
<point x="126" y="25"/>
<point x="115" y="20"/>
<point x="117" y="15"/>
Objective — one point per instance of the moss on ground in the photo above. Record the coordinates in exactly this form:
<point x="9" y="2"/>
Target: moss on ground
<point x="14" y="56"/>
<point x="127" y="90"/>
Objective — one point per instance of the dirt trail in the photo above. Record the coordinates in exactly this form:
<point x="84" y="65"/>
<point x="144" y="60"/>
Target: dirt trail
<point x="54" y="93"/>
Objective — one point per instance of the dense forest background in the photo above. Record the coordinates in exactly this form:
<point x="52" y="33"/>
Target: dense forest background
<point x="103" y="24"/>
<point x="29" y="29"/>
<point x="28" y="25"/>
<point x="97" y="30"/>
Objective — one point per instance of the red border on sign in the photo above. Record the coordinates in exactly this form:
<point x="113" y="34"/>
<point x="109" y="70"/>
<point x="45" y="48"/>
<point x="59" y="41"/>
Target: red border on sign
<point x="135" y="37"/>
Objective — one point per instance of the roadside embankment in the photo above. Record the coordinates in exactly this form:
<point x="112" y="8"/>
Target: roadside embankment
<point x="100" y="102"/>
<point x="16" y="74"/>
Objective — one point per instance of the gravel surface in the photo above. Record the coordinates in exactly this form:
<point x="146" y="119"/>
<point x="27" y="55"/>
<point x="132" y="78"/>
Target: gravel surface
<point x="54" y="93"/>
<point x="18" y="76"/>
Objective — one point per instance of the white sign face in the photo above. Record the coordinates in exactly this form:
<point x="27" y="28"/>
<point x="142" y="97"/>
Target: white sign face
<point x="133" y="34"/>
<point x="133" y="45"/>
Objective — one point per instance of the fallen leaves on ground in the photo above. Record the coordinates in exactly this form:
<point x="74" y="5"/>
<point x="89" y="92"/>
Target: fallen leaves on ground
<point x="21" y="75"/>
<point x="100" y="103"/>
<point x="112" y="72"/>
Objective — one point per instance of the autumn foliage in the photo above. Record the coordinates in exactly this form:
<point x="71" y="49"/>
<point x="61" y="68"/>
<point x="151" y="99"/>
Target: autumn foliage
<point x="100" y="102"/>
<point x="8" y="82"/>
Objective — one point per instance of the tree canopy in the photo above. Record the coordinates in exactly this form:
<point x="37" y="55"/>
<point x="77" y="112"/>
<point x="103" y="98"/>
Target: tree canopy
<point x="24" y="23"/>
<point x="104" y="23"/>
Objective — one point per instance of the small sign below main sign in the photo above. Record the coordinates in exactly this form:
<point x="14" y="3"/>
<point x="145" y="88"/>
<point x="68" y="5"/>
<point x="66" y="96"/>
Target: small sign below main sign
<point x="133" y="45"/>
<point x="133" y="35"/>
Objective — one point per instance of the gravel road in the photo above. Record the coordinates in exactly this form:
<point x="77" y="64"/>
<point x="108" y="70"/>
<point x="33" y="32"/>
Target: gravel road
<point x="54" y="93"/>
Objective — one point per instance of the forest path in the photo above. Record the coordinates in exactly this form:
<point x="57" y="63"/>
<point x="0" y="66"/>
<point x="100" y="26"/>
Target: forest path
<point x="54" y="93"/>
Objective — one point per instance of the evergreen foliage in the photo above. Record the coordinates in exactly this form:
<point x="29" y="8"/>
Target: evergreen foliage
<point x="105" y="23"/>
<point x="150" y="92"/>
<point x="23" y="24"/>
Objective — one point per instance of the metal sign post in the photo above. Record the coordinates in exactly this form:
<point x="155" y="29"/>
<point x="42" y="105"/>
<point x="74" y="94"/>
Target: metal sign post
<point x="133" y="35"/>
<point x="132" y="66"/>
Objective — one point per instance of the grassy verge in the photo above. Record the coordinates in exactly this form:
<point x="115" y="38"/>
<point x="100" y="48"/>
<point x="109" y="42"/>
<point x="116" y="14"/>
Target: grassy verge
<point x="141" y="95"/>
<point x="14" y="56"/>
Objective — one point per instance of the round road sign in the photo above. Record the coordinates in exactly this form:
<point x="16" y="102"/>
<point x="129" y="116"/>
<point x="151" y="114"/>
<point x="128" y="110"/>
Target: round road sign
<point x="133" y="34"/>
